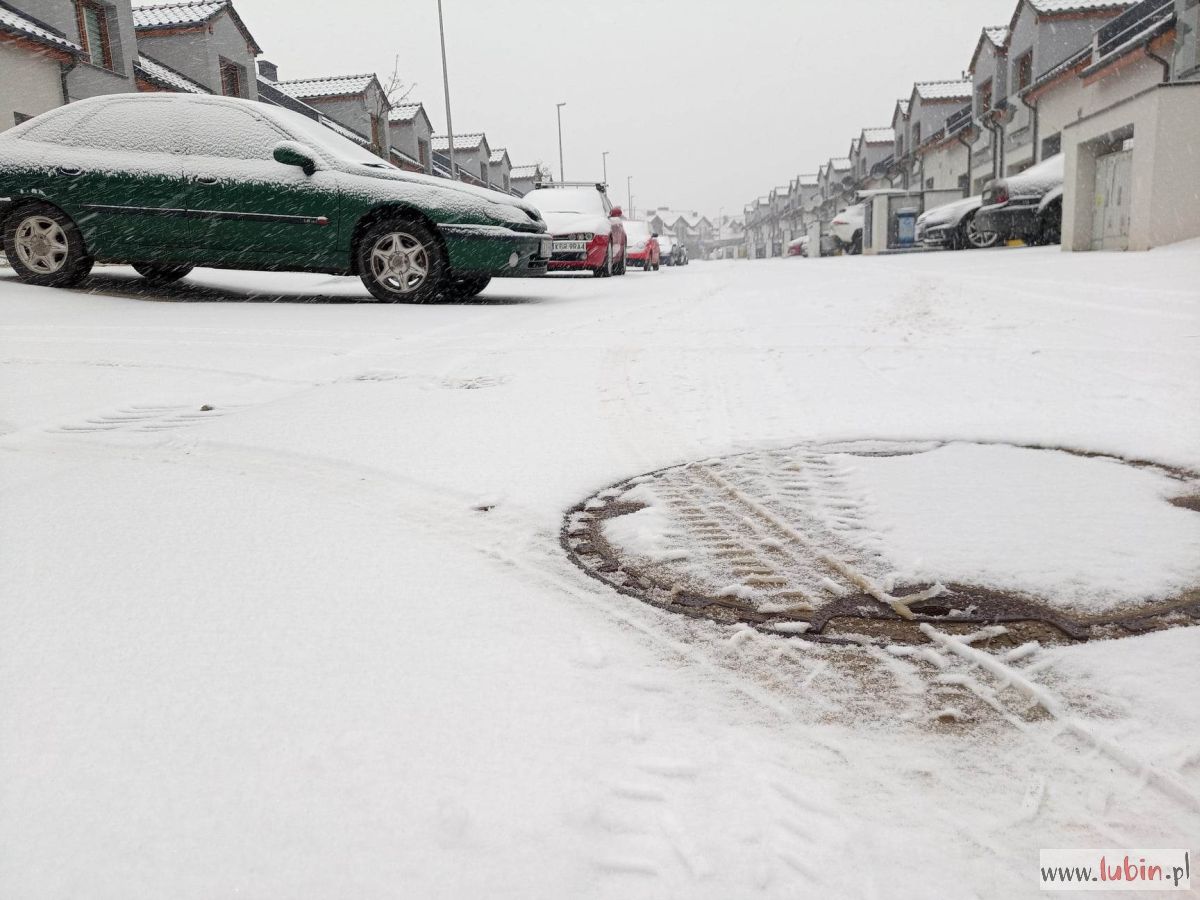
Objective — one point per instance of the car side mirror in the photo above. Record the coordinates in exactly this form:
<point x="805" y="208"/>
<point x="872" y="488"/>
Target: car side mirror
<point x="292" y="154"/>
<point x="617" y="213"/>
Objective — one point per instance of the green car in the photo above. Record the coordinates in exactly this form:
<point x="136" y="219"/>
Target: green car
<point x="165" y="182"/>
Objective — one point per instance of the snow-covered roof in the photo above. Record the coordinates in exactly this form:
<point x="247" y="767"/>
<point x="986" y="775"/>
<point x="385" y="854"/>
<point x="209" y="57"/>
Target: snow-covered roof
<point x="405" y="112"/>
<point x="526" y="172"/>
<point x="997" y="34"/>
<point x="165" y="77"/>
<point x="17" y="23"/>
<point x="839" y="165"/>
<point x="498" y="155"/>
<point x="469" y="141"/>
<point x="879" y="135"/>
<point x="184" y="14"/>
<point x="808" y="181"/>
<point x="333" y="86"/>
<point x="944" y="90"/>
<point x="1055" y="7"/>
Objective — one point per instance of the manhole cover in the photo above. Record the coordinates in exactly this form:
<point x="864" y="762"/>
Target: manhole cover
<point x="835" y="542"/>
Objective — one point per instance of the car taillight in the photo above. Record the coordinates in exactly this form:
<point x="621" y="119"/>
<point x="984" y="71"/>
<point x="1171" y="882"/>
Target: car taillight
<point x="1000" y="195"/>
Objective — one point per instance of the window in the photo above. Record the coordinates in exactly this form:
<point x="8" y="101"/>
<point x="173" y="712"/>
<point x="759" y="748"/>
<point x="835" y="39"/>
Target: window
<point x="985" y="97"/>
<point x="916" y="130"/>
<point x="1052" y="146"/>
<point x="144" y="126"/>
<point x="231" y="79"/>
<point x="1025" y="71"/>
<point x="964" y="181"/>
<point x="929" y="184"/>
<point x="423" y="154"/>
<point x="216" y="130"/>
<point x="93" y="33"/>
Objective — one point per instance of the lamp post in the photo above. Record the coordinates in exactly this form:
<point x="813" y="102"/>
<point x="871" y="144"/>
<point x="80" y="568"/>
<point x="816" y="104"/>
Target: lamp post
<point x="561" y="176"/>
<point x="446" y="91"/>
<point x="604" y="157"/>
<point x="629" y="196"/>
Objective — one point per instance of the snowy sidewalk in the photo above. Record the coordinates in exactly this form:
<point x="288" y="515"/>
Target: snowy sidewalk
<point x="320" y="639"/>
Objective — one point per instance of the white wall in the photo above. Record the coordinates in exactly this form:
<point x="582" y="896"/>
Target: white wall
<point x="29" y="84"/>
<point x="944" y="165"/>
<point x="1165" y="124"/>
<point x="197" y="54"/>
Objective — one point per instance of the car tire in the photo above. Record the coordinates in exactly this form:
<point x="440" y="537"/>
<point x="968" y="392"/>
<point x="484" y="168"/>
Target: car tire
<point x="1050" y="224"/>
<point x="656" y="265"/>
<point x="400" y="260"/>
<point x="158" y="274"/>
<point x="606" y="270"/>
<point x="45" y="247"/>
<point x="856" y="244"/>
<point x="622" y="267"/>
<point x="968" y="237"/>
<point x="466" y="288"/>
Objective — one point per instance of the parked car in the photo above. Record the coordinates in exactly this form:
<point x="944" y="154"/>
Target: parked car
<point x="166" y="182"/>
<point x="954" y="226"/>
<point x="1026" y="206"/>
<point x="798" y="247"/>
<point x="681" y="256"/>
<point x="589" y="234"/>
<point x="666" y="250"/>
<point x="847" y="228"/>
<point x="644" y="250"/>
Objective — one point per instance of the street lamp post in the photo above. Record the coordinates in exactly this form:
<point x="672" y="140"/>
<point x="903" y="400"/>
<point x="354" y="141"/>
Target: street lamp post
<point x="446" y="91"/>
<point x="629" y="196"/>
<point x="561" y="175"/>
<point x="604" y="157"/>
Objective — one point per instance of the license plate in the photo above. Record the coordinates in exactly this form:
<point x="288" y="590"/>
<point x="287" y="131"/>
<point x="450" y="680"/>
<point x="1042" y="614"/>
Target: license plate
<point x="569" y="246"/>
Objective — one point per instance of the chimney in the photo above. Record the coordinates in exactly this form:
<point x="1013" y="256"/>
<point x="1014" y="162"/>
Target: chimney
<point x="268" y="70"/>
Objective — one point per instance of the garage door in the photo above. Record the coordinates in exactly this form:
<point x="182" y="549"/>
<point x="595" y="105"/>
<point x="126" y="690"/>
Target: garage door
<point x="1110" y="218"/>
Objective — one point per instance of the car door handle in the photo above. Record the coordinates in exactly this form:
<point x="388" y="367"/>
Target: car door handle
<point x="206" y="179"/>
<point x="69" y="171"/>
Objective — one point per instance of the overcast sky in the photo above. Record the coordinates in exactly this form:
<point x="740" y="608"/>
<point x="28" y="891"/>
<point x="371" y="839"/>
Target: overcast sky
<point x="706" y="103"/>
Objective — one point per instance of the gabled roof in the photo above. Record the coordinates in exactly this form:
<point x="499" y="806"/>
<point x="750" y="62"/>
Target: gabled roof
<point x="1058" y="7"/>
<point x="808" y="181"/>
<point x="406" y="112"/>
<point x="187" y="14"/>
<point x="879" y="135"/>
<point x="498" y="156"/>
<point x="469" y="141"/>
<point x="25" y="26"/>
<point x="997" y="36"/>
<point x="944" y="90"/>
<point x="331" y="86"/>
<point x="526" y="172"/>
<point x="840" y="165"/>
<point x="165" y="77"/>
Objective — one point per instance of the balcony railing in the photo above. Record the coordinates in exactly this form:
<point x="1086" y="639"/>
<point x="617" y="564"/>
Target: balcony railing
<point x="1130" y="25"/>
<point x="959" y="121"/>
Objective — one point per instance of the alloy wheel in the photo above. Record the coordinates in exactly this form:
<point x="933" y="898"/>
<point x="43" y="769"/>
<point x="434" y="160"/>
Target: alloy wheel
<point x="979" y="239"/>
<point x="41" y="245"/>
<point x="400" y="262"/>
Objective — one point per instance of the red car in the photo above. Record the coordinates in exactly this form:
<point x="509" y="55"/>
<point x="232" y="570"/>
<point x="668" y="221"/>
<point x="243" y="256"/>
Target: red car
<point x="589" y="235"/>
<point x="644" y="249"/>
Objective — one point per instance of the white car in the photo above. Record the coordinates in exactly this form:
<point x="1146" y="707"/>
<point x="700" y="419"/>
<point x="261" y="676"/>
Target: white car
<point x="847" y="228"/>
<point x="666" y="250"/>
<point x="953" y="226"/>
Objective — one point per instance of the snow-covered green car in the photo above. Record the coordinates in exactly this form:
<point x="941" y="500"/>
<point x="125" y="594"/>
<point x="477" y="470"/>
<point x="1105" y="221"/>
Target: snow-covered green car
<point x="166" y="182"/>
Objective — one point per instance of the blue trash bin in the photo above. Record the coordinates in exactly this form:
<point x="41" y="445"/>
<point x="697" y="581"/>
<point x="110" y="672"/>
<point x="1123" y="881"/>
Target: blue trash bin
<point x="906" y="226"/>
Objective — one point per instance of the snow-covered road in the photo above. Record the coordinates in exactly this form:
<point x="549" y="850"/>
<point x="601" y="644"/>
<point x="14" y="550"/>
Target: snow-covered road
<point x="283" y="611"/>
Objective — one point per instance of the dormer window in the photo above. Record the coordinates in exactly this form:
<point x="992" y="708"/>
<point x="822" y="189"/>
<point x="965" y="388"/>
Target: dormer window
<point x="93" y="33"/>
<point x="231" y="79"/>
<point x="984" y="96"/>
<point x="1025" y="71"/>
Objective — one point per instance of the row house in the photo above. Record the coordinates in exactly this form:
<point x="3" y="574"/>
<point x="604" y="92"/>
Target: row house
<point x="989" y="82"/>
<point x="875" y="149"/>
<point x="472" y="156"/>
<point x="837" y="188"/>
<point x="205" y="41"/>
<point x="939" y="163"/>
<point x="500" y="170"/>
<point x="757" y="216"/>
<point x="356" y="102"/>
<point x="689" y="228"/>
<point x="412" y="137"/>
<point x="56" y="51"/>
<point x="894" y="172"/>
<point x="524" y="179"/>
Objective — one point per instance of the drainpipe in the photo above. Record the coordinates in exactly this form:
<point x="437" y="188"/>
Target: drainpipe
<point x="66" y="69"/>
<point x="970" y="160"/>
<point x="1166" y="64"/>
<point x="1033" y="112"/>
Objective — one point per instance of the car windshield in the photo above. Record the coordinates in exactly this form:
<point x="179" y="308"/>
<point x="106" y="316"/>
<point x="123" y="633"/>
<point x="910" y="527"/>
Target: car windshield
<point x="567" y="200"/>
<point x="326" y="140"/>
